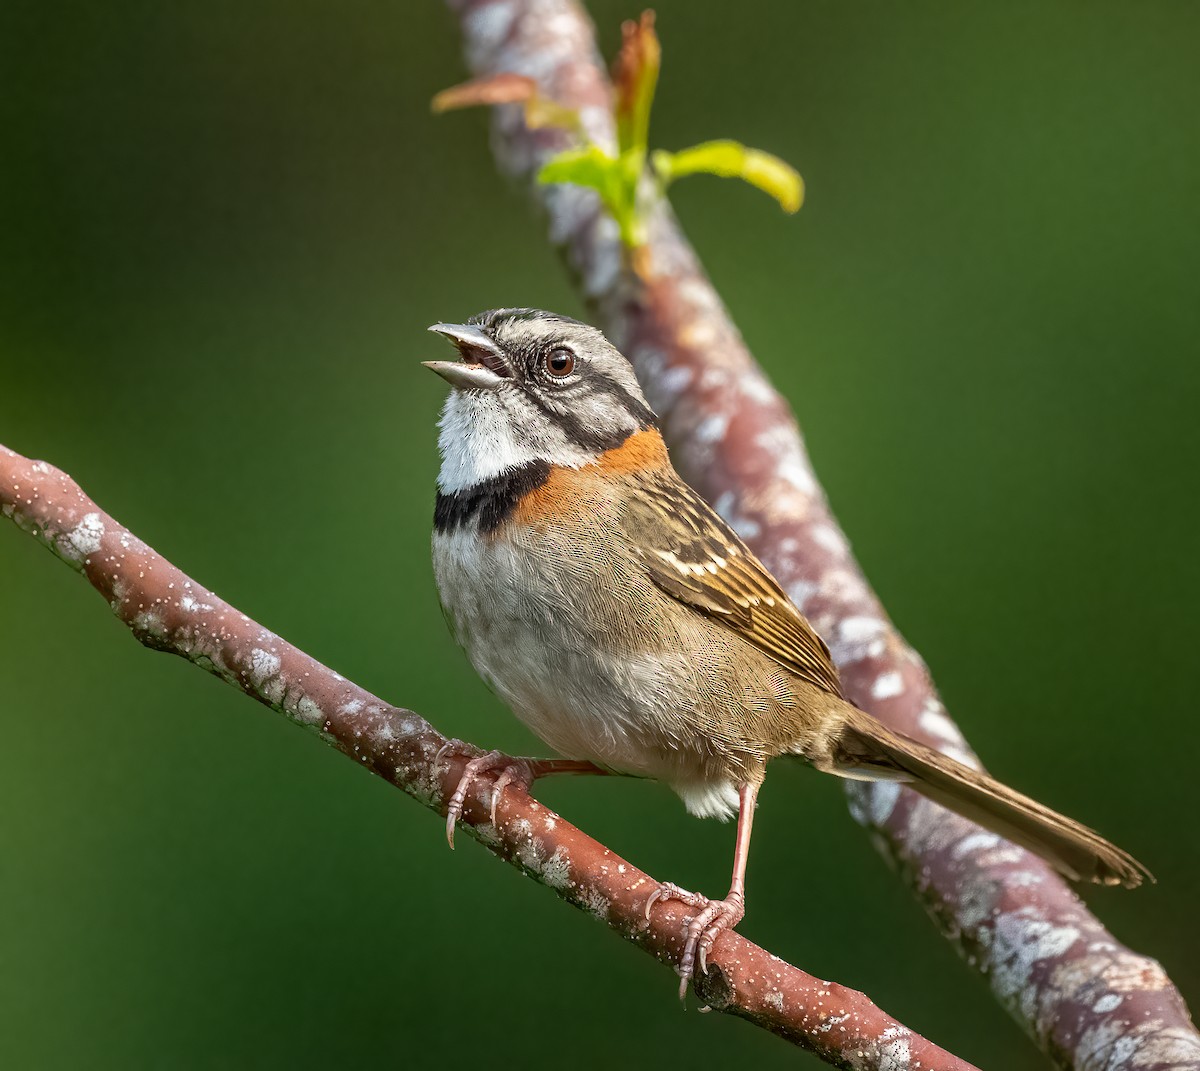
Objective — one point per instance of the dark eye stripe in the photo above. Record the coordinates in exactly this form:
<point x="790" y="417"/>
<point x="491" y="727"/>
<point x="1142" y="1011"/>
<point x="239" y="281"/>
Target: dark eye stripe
<point x="643" y="413"/>
<point x="576" y="430"/>
<point x="586" y="435"/>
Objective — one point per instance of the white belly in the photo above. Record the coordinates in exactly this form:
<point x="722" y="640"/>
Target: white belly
<point x="542" y="657"/>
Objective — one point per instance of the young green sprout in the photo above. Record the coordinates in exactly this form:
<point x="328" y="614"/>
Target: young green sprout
<point x="617" y="179"/>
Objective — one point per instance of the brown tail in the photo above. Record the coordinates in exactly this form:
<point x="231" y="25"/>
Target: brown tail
<point x="868" y="749"/>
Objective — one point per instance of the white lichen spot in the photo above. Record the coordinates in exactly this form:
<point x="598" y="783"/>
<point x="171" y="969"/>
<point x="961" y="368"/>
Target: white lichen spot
<point x="1161" y="1047"/>
<point x="828" y="538"/>
<point x="758" y="390"/>
<point x="961" y="754"/>
<point x="695" y="291"/>
<point x="888" y="685"/>
<point x="1128" y="972"/>
<point x="846" y="586"/>
<point x="596" y="121"/>
<point x="150" y="623"/>
<point x="556" y="871"/>
<point x="934" y="828"/>
<point x="595" y="903"/>
<point x="569" y="208"/>
<point x="712" y="428"/>
<point x="976" y="904"/>
<point x="1104" y="1047"/>
<point x="85" y="537"/>
<point x="309" y="711"/>
<point x="975" y="842"/>
<point x="800" y="591"/>
<point x="745" y="527"/>
<point x="894" y="1051"/>
<point x="672" y="382"/>
<point x="799" y="476"/>
<point x="351" y="707"/>
<point x="605" y="264"/>
<point x="488" y="26"/>
<point x="529" y="856"/>
<point x="1105" y="974"/>
<point x="1021" y="940"/>
<point x="858" y="638"/>
<point x="774" y="999"/>
<point x="936" y="723"/>
<point x="1019" y="878"/>
<point x="263" y="666"/>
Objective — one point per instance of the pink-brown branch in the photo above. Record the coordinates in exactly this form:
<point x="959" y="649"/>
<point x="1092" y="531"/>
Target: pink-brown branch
<point x="1087" y="1000"/>
<point x="168" y="611"/>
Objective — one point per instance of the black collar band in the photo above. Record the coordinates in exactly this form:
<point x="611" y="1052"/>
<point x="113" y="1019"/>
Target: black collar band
<point x="490" y="503"/>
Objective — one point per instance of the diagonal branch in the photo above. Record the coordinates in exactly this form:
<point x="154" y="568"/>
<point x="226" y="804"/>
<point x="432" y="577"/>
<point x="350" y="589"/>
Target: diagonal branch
<point x="168" y="611"/>
<point x="1089" y="1001"/>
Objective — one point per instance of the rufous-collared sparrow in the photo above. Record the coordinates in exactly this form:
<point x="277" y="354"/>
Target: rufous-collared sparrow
<point x="632" y="630"/>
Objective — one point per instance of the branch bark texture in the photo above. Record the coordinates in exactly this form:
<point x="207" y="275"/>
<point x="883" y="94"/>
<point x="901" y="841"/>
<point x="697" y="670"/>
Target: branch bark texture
<point x="168" y="611"/>
<point x="1087" y="1000"/>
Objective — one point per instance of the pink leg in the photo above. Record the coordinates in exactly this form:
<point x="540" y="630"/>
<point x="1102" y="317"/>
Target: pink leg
<point x="716" y="916"/>
<point x="512" y="770"/>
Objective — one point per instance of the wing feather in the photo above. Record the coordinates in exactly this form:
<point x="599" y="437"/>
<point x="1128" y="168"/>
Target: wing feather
<point x="690" y="553"/>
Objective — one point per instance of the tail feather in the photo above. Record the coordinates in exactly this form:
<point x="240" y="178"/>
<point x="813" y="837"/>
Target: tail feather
<point x="868" y="749"/>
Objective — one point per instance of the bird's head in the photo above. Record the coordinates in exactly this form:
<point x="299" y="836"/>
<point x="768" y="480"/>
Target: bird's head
<point x="531" y="386"/>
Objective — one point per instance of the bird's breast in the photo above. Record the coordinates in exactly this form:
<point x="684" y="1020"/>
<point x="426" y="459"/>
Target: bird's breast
<point x="534" y="611"/>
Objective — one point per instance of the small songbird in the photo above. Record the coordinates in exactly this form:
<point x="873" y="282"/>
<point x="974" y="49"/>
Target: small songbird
<point x="630" y="628"/>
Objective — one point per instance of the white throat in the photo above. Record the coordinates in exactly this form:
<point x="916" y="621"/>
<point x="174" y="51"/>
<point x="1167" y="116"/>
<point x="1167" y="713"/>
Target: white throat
<point x="479" y="441"/>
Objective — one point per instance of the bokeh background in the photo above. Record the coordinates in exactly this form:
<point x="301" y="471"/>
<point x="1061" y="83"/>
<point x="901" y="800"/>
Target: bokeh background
<point x="223" y="230"/>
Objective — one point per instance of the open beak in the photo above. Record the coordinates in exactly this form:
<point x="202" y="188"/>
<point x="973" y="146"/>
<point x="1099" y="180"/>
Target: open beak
<point x="481" y="364"/>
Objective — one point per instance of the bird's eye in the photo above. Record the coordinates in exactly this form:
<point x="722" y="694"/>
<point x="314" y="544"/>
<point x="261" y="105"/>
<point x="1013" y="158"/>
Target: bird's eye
<point x="560" y="362"/>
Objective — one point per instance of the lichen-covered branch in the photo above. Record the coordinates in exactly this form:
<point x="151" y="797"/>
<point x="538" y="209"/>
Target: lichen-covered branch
<point x="1089" y="1002"/>
<point x="168" y="611"/>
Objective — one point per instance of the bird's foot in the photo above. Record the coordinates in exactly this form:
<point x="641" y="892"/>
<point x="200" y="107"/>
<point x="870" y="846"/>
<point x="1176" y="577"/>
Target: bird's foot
<point x="512" y="771"/>
<point x="702" y="930"/>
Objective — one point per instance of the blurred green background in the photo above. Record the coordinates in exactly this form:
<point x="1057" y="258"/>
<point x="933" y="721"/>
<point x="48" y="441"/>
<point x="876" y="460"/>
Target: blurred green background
<point x="224" y="228"/>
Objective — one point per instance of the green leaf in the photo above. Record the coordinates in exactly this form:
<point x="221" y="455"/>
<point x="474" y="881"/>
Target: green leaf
<point x="591" y="167"/>
<point x="731" y="159"/>
<point x="608" y="176"/>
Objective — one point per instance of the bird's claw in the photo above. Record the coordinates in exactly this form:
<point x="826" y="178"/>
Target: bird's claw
<point x="702" y="930"/>
<point x="670" y="891"/>
<point x="514" y="771"/>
